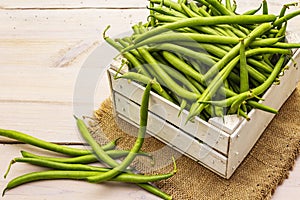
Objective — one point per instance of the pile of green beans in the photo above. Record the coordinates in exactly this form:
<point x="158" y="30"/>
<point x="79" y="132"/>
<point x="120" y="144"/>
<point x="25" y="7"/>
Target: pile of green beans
<point x="207" y="58"/>
<point x="76" y="166"/>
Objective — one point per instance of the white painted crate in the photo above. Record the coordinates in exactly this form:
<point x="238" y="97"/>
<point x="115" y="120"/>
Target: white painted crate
<point x="219" y="144"/>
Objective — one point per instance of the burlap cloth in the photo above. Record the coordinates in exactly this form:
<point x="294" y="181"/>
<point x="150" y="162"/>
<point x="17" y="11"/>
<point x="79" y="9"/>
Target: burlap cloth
<point x="266" y="166"/>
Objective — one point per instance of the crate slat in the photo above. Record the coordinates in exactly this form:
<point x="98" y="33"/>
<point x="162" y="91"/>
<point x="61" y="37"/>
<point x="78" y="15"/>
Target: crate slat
<point x="172" y="136"/>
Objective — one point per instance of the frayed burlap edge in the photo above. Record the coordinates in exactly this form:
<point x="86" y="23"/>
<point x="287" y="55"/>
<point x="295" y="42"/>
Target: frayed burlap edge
<point x="267" y="165"/>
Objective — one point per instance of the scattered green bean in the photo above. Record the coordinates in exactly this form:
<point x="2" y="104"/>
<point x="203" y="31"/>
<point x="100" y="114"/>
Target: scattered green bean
<point x="137" y="145"/>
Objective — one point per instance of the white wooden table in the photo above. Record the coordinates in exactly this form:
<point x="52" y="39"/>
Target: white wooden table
<point x="43" y="45"/>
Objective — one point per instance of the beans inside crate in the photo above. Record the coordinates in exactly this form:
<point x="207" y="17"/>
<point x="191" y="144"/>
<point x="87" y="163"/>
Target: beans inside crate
<point x="220" y="144"/>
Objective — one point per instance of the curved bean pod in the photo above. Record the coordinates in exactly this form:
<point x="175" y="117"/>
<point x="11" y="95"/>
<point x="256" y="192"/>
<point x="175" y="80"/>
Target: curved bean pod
<point x="285" y="18"/>
<point x="137" y="145"/>
<point x="85" y="159"/>
<point x="192" y="37"/>
<point x="144" y="79"/>
<point x="83" y="175"/>
<point x="22" y="137"/>
<point x="204" y="21"/>
<point x="170" y="83"/>
<point x="258" y="31"/>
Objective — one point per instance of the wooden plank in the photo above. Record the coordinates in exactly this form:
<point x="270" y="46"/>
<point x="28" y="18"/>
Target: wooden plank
<point x="40" y="119"/>
<point x="55" y="189"/>
<point x="70" y="24"/>
<point x="41" y="50"/>
<point x="71" y="4"/>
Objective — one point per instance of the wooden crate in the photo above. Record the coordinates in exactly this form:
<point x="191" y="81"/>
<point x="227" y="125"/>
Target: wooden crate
<point x="220" y="144"/>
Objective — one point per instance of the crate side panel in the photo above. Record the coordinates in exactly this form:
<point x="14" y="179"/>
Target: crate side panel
<point x="200" y="129"/>
<point x="172" y="136"/>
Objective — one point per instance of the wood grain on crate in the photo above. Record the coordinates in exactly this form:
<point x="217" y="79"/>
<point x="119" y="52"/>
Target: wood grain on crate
<point x="42" y="47"/>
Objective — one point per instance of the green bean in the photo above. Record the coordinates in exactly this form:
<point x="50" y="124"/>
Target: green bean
<point x="175" y="36"/>
<point x="254" y="92"/>
<point x="235" y="50"/>
<point x="205" y="21"/>
<point x="203" y="12"/>
<point x="137" y="178"/>
<point x="96" y="148"/>
<point x="212" y="10"/>
<point x="265" y="7"/>
<point x="252" y="12"/>
<point x="213" y="49"/>
<point x="220" y="7"/>
<point x="82" y="175"/>
<point x="107" y="159"/>
<point x="227" y="12"/>
<point x="127" y="55"/>
<point x="165" y="18"/>
<point x="182" y="1"/>
<point x="281" y="20"/>
<point x="195" y="8"/>
<point x="234" y="79"/>
<point x="179" y="77"/>
<point x="282" y="31"/>
<point x="152" y="21"/>
<point x="198" y="66"/>
<point x="243" y="114"/>
<point x="204" y="29"/>
<point x="227" y="48"/>
<point x="143" y="79"/>
<point x="244" y="78"/>
<point x="259" y="65"/>
<point x="169" y="4"/>
<point x="265" y="42"/>
<point x="126" y="44"/>
<point x="49" y="146"/>
<point x="170" y="83"/>
<point x="58" y="165"/>
<point x="199" y="87"/>
<point x="286" y="45"/>
<point x="197" y="107"/>
<point x="256" y="75"/>
<point x="228" y="92"/>
<point x="216" y="51"/>
<point x="167" y="11"/>
<point x="228" y="4"/>
<point x="234" y="30"/>
<point x="226" y="31"/>
<point x="186" y="52"/>
<point x="213" y="86"/>
<point x="260" y="106"/>
<point x="137" y="145"/>
<point x="85" y="159"/>
<point x="234" y="6"/>
<point x="283" y="10"/>
<point x="182" y="66"/>
<point x="22" y="137"/>
<point x="156" y="191"/>
<point x="188" y="11"/>
<point x="47" y="175"/>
